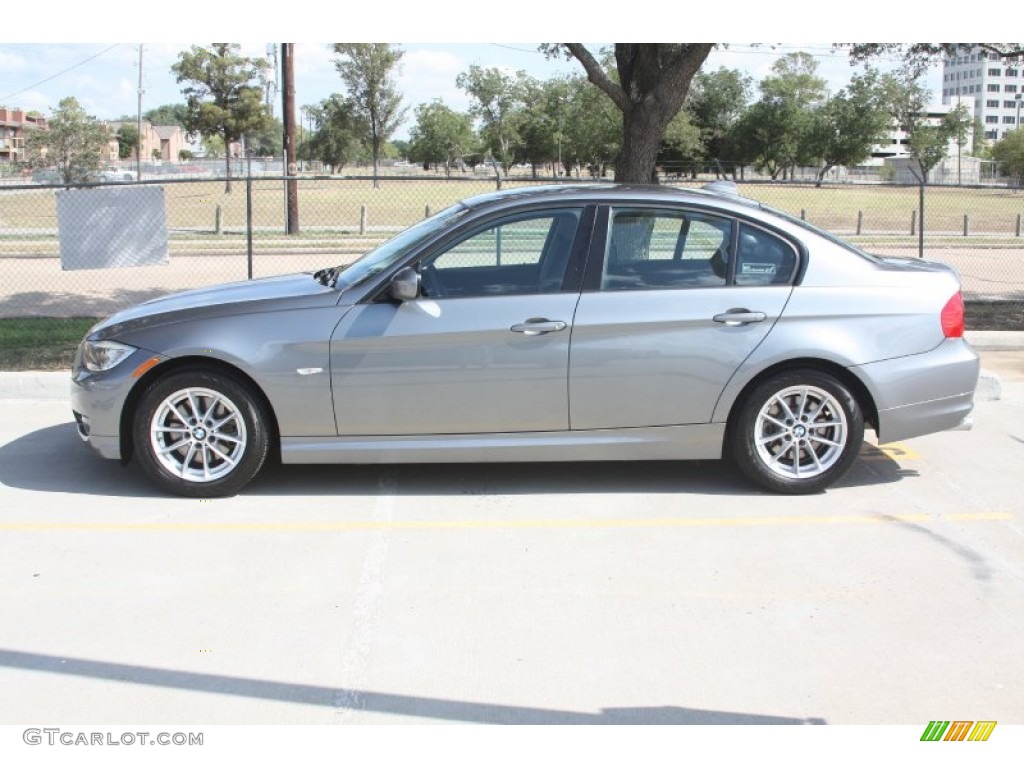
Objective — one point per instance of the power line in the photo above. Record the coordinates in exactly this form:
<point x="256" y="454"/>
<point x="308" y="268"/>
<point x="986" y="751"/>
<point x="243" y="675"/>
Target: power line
<point x="62" y="72"/>
<point x="513" y="48"/>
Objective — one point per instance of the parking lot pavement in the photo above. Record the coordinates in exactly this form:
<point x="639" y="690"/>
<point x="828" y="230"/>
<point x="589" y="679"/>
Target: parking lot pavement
<point x="603" y="593"/>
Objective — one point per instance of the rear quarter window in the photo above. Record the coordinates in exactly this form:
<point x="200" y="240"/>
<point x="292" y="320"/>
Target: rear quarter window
<point x="763" y="258"/>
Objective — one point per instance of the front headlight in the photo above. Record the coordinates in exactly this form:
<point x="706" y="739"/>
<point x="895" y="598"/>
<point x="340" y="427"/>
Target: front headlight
<point x="103" y="355"/>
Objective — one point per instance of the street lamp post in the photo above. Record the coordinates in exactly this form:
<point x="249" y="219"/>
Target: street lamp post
<point x="561" y="103"/>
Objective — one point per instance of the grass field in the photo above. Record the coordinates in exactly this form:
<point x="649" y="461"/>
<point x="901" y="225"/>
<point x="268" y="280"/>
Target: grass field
<point x="351" y="216"/>
<point x="41" y="343"/>
<point x="342" y="204"/>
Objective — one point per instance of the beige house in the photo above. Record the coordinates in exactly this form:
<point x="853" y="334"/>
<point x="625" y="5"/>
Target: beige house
<point x="168" y="140"/>
<point x="15" y="125"/>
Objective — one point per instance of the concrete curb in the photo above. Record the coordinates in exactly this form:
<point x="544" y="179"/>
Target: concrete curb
<point x="996" y="341"/>
<point x="56" y="385"/>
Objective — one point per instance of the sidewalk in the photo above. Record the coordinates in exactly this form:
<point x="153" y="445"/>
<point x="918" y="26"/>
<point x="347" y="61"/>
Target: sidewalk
<point x="55" y="385"/>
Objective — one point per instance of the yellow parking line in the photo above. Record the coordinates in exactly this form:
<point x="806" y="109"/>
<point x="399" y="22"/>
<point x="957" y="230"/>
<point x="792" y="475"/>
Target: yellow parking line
<point x="651" y="522"/>
<point x="895" y="451"/>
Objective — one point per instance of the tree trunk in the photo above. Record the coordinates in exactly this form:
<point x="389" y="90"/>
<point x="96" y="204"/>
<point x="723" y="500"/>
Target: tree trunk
<point x="643" y="128"/>
<point x="227" y="157"/>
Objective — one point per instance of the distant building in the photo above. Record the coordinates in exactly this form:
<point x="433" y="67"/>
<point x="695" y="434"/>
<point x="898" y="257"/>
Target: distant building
<point x="897" y="144"/>
<point x="995" y="83"/>
<point x="952" y="170"/>
<point x="168" y="140"/>
<point x="15" y="127"/>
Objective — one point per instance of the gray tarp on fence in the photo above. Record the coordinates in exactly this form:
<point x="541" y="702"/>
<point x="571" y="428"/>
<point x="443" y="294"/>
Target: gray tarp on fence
<point x="109" y="227"/>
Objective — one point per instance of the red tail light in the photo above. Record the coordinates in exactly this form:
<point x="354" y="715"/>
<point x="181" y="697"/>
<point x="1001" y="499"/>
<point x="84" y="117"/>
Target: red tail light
<point x="952" y="317"/>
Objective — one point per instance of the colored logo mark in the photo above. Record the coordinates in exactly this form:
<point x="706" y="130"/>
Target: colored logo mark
<point x="958" y="730"/>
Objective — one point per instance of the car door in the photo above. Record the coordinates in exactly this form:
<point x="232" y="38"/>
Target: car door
<point x="485" y="347"/>
<point x="674" y="302"/>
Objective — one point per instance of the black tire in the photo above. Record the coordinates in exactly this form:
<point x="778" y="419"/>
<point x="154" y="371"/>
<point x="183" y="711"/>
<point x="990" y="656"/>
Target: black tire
<point x="217" y="454"/>
<point x="797" y="432"/>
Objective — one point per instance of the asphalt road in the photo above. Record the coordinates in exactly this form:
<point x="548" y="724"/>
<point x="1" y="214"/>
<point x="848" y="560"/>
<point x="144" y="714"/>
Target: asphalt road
<point x="600" y="594"/>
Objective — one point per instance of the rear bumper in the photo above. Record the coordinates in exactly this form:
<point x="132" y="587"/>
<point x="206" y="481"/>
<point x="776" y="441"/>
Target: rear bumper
<point x="920" y="394"/>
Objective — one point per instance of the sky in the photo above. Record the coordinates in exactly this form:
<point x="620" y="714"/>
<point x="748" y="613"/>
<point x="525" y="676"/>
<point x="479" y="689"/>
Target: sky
<point x="103" y="76"/>
<point x="94" y="56"/>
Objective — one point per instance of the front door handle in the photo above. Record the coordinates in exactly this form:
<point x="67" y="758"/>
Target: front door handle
<point x="734" y="317"/>
<point x="536" y="326"/>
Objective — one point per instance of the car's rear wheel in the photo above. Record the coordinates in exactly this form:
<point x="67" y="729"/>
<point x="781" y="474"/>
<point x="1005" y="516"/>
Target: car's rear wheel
<point x="200" y="433"/>
<point x="797" y="432"/>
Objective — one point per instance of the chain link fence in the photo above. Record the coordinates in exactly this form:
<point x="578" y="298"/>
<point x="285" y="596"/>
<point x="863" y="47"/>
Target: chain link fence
<point x="213" y="235"/>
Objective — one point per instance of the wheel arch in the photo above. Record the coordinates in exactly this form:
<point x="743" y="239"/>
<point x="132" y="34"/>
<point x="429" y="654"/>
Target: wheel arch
<point x="197" y="363"/>
<point x="849" y="379"/>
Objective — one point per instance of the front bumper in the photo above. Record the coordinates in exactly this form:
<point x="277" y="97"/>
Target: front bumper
<point x="921" y="394"/>
<point x="97" y="401"/>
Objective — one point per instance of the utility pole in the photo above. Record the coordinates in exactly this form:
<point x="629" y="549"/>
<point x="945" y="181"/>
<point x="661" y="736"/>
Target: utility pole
<point x="138" y="142"/>
<point x="288" y="117"/>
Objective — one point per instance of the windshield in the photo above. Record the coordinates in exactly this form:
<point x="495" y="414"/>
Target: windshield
<point x="394" y="250"/>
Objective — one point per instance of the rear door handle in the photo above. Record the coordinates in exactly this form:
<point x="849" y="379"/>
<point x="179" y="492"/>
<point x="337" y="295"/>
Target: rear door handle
<point x="537" y="326"/>
<point x="734" y="317"/>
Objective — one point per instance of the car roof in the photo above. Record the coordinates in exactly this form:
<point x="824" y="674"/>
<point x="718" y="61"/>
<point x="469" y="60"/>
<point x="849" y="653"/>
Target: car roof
<point x="720" y="194"/>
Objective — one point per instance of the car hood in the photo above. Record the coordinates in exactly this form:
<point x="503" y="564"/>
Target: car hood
<point x="265" y="294"/>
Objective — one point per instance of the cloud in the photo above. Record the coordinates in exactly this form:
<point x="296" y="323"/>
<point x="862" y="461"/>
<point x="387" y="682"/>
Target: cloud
<point x="428" y="75"/>
<point x="314" y="60"/>
<point x="11" y="62"/>
<point x="36" y="100"/>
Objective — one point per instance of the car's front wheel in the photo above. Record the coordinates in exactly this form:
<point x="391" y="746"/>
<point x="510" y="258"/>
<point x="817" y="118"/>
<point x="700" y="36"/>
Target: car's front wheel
<point x="200" y="433"/>
<point x="797" y="432"/>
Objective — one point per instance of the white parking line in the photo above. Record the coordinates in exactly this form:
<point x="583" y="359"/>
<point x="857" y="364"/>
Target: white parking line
<point x="369" y="598"/>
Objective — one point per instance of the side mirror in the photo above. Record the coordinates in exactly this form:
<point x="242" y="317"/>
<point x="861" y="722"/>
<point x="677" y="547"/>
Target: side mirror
<point x="405" y="285"/>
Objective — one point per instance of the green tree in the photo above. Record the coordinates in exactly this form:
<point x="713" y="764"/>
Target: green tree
<point x="591" y="128"/>
<point x="652" y="82"/>
<point x="929" y="142"/>
<point x="167" y="114"/>
<point x="75" y="143"/>
<point x="441" y="135"/>
<point x="795" y="79"/>
<point x="765" y="137"/>
<point x="795" y="92"/>
<point x="213" y="146"/>
<point x="716" y="102"/>
<point x="681" y="145"/>
<point x="917" y="57"/>
<point x="368" y="71"/>
<point x="224" y="95"/>
<point x="928" y="138"/>
<point x="401" y="148"/>
<point x="1009" y="153"/>
<point x="335" y="138"/>
<point x="127" y="140"/>
<point x="850" y="124"/>
<point x="654" y="79"/>
<point x="538" y="122"/>
<point x="267" y="141"/>
<point x="496" y="98"/>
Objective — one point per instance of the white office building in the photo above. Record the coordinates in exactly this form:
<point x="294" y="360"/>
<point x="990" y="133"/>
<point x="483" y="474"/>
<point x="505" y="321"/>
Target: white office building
<point x="995" y="83"/>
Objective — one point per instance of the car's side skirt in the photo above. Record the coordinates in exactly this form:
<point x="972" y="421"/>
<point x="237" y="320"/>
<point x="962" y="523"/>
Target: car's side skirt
<point x="697" y="441"/>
